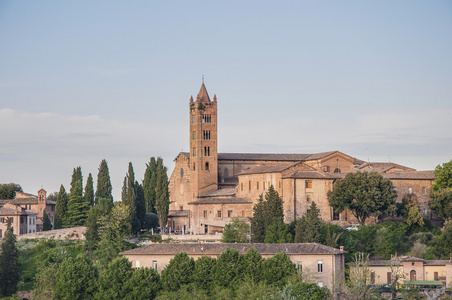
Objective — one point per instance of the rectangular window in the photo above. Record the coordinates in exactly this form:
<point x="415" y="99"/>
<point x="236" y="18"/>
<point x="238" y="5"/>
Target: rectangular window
<point x="194" y="151"/>
<point x="1" y="234"/>
<point x="243" y="213"/>
<point x="137" y="264"/>
<point x="410" y="190"/>
<point x="320" y="283"/>
<point x="207" y="166"/>
<point x="219" y="214"/>
<point x="269" y="184"/>
<point x="249" y="185"/>
<point x="423" y="190"/>
<point x="389" y="277"/>
<point x="34" y="220"/>
<point x="194" y="167"/>
<point x="206" y="118"/>
<point x="309" y="184"/>
<point x="319" y="266"/>
<point x="299" y="266"/>
<point x="257" y="185"/>
<point x="395" y="189"/>
<point x="194" y="119"/>
<point x="194" y="135"/>
<point x="22" y="220"/>
<point x="229" y="213"/>
<point x="154" y="265"/>
<point x="263" y="185"/>
<point x="308" y="198"/>
<point x="435" y="276"/>
<point x="206" y="134"/>
<point x="279" y="184"/>
<point x="241" y="186"/>
<point x="335" y="216"/>
<point x="29" y="221"/>
<point x="205" y="214"/>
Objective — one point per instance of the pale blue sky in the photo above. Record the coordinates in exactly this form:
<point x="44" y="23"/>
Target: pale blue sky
<point x="85" y="80"/>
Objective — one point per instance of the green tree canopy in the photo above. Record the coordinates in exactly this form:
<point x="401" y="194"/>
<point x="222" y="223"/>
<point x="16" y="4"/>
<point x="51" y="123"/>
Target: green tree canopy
<point x="264" y="214"/>
<point x="229" y="269"/>
<point x="46" y="223"/>
<point x="89" y="190"/>
<point x="305" y="291"/>
<point x="162" y="200"/>
<point x="410" y="210"/>
<point x="236" y="231"/>
<point x="129" y="197"/>
<point x="308" y="226"/>
<point x="149" y="185"/>
<point x="277" y="269"/>
<point x="441" y="203"/>
<point x="278" y="232"/>
<point x="178" y="272"/>
<point x="61" y="208"/>
<point x="203" y="272"/>
<point x="252" y="265"/>
<point x="104" y="188"/>
<point x="113" y="281"/>
<point x="77" y="208"/>
<point x="443" y="174"/>
<point x="144" y="284"/>
<point x="8" y="190"/>
<point x="76" y="278"/>
<point x="364" y="194"/>
<point x="441" y="245"/>
<point x="9" y="267"/>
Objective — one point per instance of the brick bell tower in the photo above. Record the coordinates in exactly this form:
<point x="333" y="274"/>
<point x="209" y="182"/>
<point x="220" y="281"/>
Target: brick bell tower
<point x="203" y="143"/>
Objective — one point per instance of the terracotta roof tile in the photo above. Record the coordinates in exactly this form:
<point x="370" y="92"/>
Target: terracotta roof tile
<point x="179" y="213"/>
<point x="220" y="192"/>
<point x="217" y="249"/>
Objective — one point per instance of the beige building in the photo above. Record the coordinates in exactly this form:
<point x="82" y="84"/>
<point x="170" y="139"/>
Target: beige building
<point x="412" y="269"/>
<point x="322" y="264"/>
<point x="208" y="188"/>
<point x="22" y="221"/>
<point x="33" y="205"/>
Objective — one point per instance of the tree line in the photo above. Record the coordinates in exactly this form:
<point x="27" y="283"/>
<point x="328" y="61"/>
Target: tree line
<point x="145" y="200"/>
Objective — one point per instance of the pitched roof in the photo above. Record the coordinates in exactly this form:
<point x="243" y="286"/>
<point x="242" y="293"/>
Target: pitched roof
<point x="179" y="213"/>
<point x="268" y="168"/>
<point x="313" y="175"/>
<point x="384" y="166"/>
<point x="203" y="96"/>
<point x="222" y="201"/>
<point x="426" y="175"/>
<point x="4" y="211"/>
<point x="217" y="249"/>
<point x="220" y="192"/>
<point x="262" y="156"/>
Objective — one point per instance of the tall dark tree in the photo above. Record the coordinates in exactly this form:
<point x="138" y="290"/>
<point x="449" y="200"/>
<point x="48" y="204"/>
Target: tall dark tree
<point x="89" y="190"/>
<point x="265" y="213"/>
<point x="162" y="193"/>
<point x="150" y="184"/>
<point x="178" y="272"/>
<point x="8" y="190"/>
<point x="308" y="226"/>
<point x="410" y="210"/>
<point x="46" y="223"/>
<point x="441" y="203"/>
<point x="140" y="203"/>
<point x="61" y="208"/>
<point x="77" y="208"/>
<point x="129" y="197"/>
<point x="104" y="188"/>
<point x="257" y="222"/>
<point x="443" y="174"/>
<point x="364" y="194"/>
<point x="9" y="266"/>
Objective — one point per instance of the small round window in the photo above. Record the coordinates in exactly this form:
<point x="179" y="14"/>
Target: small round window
<point x="181" y="172"/>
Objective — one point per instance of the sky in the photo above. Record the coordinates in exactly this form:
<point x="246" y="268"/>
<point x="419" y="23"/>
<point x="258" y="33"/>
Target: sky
<point x="82" y="81"/>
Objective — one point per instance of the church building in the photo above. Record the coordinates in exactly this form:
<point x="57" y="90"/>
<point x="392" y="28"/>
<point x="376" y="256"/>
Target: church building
<point x="208" y="188"/>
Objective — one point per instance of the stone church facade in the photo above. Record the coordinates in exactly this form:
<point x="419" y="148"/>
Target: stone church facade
<point x="208" y="188"/>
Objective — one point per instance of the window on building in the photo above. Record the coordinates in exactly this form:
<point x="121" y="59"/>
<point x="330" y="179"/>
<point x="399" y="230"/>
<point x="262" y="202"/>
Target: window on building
<point x="435" y="276"/>
<point x="319" y="266"/>
<point x="206" y="151"/>
<point x="225" y="173"/>
<point x="249" y="185"/>
<point x="194" y="152"/>
<point x="243" y="213"/>
<point x="206" y="134"/>
<point x="34" y="221"/>
<point x="193" y="119"/>
<point x="309" y="184"/>
<point x="205" y="214"/>
<point x="320" y="283"/>
<point x="388" y="277"/>
<point x="269" y="184"/>
<point x="229" y="213"/>
<point x="22" y="220"/>
<point x="154" y="265"/>
<point x="413" y="275"/>
<point x="395" y="189"/>
<point x="137" y="264"/>
<point x="410" y="190"/>
<point x="337" y="170"/>
<point x="207" y="166"/>
<point x="299" y="266"/>
<point x="335" y="216"/>
<point x="424" y="212"/>
<point x="1" y="233"/>
<point x="279" y="184"/>
<point x="308" y="198"/>
<point x="423" y="190"/>
<point x="219" y="214"/>
<point x="29" y="221"/>
<point x="263" y="185"/>
<point x="257" y="185"/>
<point x="194" y="135"/>
<point x="206" y="118"/>
<point x="181" y="173"/>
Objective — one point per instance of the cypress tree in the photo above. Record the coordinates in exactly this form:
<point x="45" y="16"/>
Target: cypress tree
<point x="9" y="266"/>
<point x="77" y="208"/>
<point x="61" y="207"/>
<point x="162" y="193"/>
<point x="257" y="222"/>
<point x="140" y="203"/>
<point x="47" y="225"/>
<point x="149" y="185"/>
<point x="89" y="190"/>
<point x="308" y="226"/>
<point x="129" y="197"/>
<point x="104" y="188"/>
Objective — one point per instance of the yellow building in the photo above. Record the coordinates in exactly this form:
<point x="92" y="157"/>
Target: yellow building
<point x="208" y="188"/>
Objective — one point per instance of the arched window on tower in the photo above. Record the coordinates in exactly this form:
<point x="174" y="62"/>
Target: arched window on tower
<point x="206" y="151"/>
<point x="207" y="166"/>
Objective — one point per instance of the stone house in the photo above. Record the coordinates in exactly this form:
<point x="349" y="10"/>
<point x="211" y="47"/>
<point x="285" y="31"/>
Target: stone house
<point x="413" y="269"/>
<point x="208" y="188"/>
<point x="323" y="265"/>
<point x="34" y="204"/>
<point x="22" y="221"/>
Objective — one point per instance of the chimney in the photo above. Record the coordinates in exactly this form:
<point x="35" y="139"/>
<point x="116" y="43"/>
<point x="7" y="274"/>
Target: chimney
<point x="341" y="248"/>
